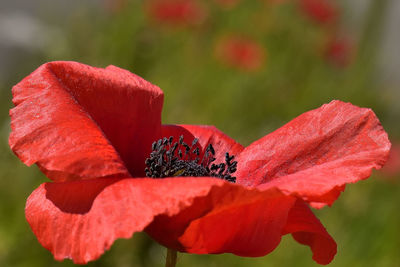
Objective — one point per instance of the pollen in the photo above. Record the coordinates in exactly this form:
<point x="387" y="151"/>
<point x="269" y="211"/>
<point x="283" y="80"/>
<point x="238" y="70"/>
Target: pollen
<point x="175" y="159"/>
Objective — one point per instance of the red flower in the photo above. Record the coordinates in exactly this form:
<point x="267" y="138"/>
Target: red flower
<point x="90" y="130"/>
<point x="321" y="11"/>
<point x="178" y="12"/>
<point x="339" y="51"/>
<point x="240" y="52"/>
<point x="392" y="166"/>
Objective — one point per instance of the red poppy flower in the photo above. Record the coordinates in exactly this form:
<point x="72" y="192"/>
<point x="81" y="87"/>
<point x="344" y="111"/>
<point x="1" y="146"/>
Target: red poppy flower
<point x="240" y="52"/>
<point x="392" y="166"/>
<point x="339" y="51"/>
<point x="178" y="12"/>
<point x="321" y="11"/>
<point x="90" y="131"/>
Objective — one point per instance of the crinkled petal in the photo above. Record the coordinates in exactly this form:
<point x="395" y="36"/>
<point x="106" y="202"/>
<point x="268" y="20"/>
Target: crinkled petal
<point x="206" y="135"/>
<point x="80" y="122"/>
<point x="315" y="155"/>
<point x="308" y="230"/>
<point x="233" y="219"/>
<point x="81" y="219"/>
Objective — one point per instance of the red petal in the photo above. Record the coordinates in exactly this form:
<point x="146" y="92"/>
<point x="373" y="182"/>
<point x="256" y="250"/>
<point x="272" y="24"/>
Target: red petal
<point x="308" y="230"/>
<point x="316" y="154"/>
<point x="79" y="122"/>
<point x="231" y="219"/>
<point x="81" y="219"/>
<point x="206" y="135"/>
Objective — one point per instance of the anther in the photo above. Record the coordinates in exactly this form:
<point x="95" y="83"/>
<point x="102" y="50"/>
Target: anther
<point x="164" y="161"/>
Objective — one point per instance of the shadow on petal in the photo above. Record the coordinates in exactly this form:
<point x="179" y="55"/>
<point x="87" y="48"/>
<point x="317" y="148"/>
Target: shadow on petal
<point x="230" y="219"/>
<point x="76" y="197"/>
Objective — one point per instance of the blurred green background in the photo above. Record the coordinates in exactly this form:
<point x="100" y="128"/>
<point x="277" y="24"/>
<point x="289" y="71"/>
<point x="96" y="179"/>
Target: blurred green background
<point x="246" y="67"/>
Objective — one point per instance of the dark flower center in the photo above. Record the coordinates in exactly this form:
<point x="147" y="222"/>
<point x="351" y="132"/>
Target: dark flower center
<point x="171" y="159"/>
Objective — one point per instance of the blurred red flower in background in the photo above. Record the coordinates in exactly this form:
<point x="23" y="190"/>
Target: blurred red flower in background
<point x="339" y="51"/>
<point x="90" y="131"/>
<point x="240" y="52"/>
<point x="321" y="11"/>
<point x="392" y="166"/>
<point x="177" y="12"/>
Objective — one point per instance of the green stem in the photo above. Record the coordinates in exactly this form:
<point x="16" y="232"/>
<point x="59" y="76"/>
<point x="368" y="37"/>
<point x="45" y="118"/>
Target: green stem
<point x="171" y="258"/>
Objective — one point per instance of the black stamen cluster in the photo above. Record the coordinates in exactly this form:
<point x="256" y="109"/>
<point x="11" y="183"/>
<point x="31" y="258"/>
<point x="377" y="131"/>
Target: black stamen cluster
<point x="169" y="159"/>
